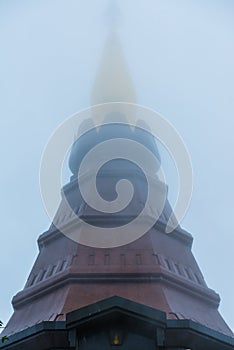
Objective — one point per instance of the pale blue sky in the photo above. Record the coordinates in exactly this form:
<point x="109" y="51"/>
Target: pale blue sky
<point x="181" y="55"/>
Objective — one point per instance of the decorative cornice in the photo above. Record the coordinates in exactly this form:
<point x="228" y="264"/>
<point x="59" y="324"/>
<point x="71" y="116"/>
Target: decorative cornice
<point x="64" y="279"/>
<point x="53" y="233"/>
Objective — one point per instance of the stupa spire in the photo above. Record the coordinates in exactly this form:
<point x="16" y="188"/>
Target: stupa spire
<point x="113" y="82"/>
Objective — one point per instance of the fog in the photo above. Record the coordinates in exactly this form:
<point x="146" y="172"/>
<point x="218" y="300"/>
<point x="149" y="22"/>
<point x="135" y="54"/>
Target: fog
<point x="180" y="55"/>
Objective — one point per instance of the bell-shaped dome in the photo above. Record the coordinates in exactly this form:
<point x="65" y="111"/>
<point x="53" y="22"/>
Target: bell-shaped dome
<point x="109" y="131"/>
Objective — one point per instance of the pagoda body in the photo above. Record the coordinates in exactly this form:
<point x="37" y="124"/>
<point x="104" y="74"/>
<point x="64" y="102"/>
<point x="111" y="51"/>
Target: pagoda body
<point x="157" y="270"/>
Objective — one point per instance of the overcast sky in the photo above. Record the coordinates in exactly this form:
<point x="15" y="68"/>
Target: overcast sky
<point x="180" y="53"/>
